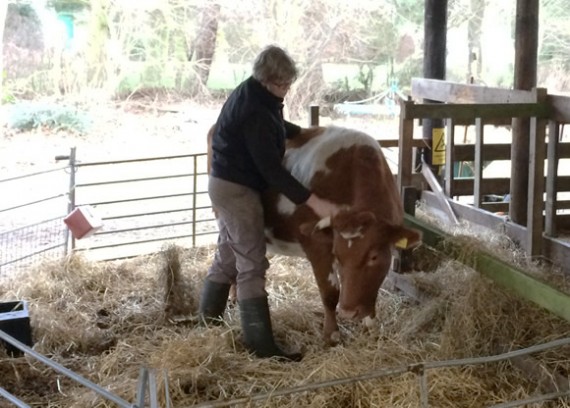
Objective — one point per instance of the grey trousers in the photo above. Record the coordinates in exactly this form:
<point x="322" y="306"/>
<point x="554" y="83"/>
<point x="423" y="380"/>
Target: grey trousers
<point x="241" y="250"/>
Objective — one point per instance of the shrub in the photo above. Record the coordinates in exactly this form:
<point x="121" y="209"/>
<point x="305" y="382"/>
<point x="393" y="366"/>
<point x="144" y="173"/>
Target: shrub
<point x="28" y="116"/>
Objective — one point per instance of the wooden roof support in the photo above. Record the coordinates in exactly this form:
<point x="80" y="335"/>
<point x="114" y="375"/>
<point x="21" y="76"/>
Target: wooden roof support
<point x="526" y="51"/>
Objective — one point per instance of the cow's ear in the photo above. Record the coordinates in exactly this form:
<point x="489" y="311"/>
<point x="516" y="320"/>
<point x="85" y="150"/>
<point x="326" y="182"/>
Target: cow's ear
<point x="317" y="231"/>
<point x="405" y="238"/>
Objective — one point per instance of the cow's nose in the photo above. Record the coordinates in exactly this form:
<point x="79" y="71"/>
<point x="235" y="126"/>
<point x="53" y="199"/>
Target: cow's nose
<point x="347" y="314"/>
<point x="357" y="314"/>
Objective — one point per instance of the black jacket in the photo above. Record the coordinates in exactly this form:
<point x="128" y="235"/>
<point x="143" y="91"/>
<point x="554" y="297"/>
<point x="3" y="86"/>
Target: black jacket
<point x="249" y="142"/>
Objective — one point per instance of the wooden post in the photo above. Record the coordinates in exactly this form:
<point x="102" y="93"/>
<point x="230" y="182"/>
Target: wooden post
<point x="526" y="51"/>
<point x="409" y="198"/>
<point x="435" y="41"/>
<point x="553" y="156"/>
<point x="405" y="154"/>
<point x="478" y="165"/>
<point x="314" y="115"/>
<point x="535" y="209"/>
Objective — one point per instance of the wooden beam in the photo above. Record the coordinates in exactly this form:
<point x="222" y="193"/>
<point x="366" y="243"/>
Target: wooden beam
<point x="453" y="92"/>
<point x="473" y="110"/>
<point x="560" y="108"/>
<point x="497" y="270"/>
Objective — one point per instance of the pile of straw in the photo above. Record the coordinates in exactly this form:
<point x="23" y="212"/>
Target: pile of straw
<point x="107" y="320"/>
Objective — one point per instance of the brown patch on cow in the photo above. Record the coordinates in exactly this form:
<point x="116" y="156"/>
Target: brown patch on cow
<point x="303" y="137"/>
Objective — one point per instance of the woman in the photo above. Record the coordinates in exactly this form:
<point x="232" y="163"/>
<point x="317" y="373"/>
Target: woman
<point x="248" y="145"/>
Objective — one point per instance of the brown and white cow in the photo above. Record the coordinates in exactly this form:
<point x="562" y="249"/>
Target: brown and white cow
<point x="351" y="253"/>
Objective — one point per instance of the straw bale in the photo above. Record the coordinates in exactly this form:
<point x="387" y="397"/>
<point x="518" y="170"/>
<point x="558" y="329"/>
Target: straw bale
<point x="107" y="320"/>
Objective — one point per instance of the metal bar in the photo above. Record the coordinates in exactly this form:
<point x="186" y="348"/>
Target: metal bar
<point x="11" y="398"/>
<point x="153" y="226"/>
<point x="531" y="400"/>
<point x="194" y="188"/>
<point x="72" y="188"/>
<point x="101" y="163"/>
<point x="438" y="190"/>
<point x="153" y="394"/>
<point x="33" y="174"/>
<point x="65" y="371"/>
<point x="135" y="180"/>
<point x="43" y="200"/>
<point x="31" y="225"/>
<point x="177" y="210"/>
<point x="141" y="387"/>
<point x="424" y="389"/>
<point x="32" y="254"/>
<point x="130" y="200"/>
<point x="146" y="241"/>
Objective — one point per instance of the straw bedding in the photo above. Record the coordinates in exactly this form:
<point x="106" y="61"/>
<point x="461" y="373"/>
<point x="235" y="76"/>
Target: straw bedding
<point x="107" y="320"/>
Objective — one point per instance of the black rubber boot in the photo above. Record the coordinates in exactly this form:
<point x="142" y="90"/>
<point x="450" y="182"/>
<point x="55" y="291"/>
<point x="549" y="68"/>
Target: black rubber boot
<point x="257" y="331"/>
<point x="213" y="301"/>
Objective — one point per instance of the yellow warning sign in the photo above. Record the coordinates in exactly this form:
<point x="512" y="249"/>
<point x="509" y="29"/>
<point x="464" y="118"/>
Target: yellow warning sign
<point x="438" y="146"/>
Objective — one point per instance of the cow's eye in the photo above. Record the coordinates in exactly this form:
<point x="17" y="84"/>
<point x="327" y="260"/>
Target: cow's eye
<point x="373" y="258"/>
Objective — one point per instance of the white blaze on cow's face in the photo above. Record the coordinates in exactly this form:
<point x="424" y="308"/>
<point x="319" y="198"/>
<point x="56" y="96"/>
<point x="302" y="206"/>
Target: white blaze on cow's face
<point x="364" y="259"/>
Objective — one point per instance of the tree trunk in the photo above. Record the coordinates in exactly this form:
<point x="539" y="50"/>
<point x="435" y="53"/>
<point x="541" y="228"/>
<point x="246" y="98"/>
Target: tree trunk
<point x="204" y="45"/>
<point x="475" y="56"/>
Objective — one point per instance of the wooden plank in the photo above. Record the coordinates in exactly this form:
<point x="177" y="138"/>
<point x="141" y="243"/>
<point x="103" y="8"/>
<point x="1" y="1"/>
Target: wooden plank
<point x="405" y="165"/>
<point x="453" y="92"/>
<point x="499" y="151"/>
<point x="551" y="179"/>
<point x="558" y="251"/>
<point x="478" y="165"/>
<point x="560" y="108"/>
<point x="465" y="186"/>
<point x="500" y="186"/>
<point x="449" y="157"/>
<point x="472" y="111"/>
<point x="391" y="143"/>
<point x="490" y="151"/>
<point x="496" y="207"/>
<point x="536" y="183"/>
<point x="497" y="270"/>
<point x="486" y="219"/>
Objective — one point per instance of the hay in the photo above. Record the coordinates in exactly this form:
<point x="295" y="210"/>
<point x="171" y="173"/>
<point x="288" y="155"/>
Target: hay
<point x="106" y="320"/>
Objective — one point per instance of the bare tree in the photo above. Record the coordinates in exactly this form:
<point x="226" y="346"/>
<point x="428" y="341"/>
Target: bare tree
<point x="204" y="44"/>
<point x="474" y="46"/>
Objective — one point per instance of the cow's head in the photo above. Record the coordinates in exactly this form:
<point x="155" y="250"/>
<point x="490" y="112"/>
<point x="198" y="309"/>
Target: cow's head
<point x="362" y="245"/>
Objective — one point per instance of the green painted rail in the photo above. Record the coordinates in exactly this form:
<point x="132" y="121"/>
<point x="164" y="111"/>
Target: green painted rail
<point x="499" y="271"/>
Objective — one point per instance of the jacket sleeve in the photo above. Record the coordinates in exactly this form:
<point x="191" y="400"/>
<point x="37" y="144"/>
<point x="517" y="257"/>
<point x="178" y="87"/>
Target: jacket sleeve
<point x="260" y="143"/>
<point x="291" y="130"/>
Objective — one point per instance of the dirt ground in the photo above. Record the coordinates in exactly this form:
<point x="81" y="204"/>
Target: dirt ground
<point x="114" y="130"/>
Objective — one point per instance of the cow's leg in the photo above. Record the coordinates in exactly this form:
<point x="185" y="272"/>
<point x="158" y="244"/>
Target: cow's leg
<point x="322" y="261"/>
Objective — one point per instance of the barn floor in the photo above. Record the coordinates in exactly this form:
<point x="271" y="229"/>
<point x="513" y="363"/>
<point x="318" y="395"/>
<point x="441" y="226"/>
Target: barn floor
<point x="107" y="320"/>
